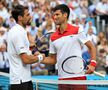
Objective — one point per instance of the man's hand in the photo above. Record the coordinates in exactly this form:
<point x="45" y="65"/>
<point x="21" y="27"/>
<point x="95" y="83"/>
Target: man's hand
<point x="90" y="69"/>
<point x="40" y="56"/>
<point x="2" y="48"/>
<point x="37" y="53"/>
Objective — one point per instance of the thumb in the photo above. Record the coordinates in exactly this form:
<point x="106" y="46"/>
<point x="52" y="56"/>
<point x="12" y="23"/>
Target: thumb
<point x="36" y="53"/>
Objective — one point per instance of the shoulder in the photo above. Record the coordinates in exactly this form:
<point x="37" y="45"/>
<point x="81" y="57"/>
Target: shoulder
<point x="54" y="36"/>
<point x="73" y="26"/>
<point x="16" y="31"/>
<point x="77" y="28"/>
<point x="71" y="30"/>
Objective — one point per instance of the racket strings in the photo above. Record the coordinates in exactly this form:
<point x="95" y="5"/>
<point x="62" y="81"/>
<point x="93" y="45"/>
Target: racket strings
<point x="73" y="65"/>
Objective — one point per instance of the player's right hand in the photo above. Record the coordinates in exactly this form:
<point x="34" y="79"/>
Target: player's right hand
<point x="37" y="53"/>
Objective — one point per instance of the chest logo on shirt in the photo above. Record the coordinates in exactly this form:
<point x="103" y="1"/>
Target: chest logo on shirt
<point x="21" y="47"/>
<point x="71" y="36"/>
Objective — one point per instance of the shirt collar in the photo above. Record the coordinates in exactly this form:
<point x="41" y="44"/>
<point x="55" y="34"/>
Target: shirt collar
<point x="22" y="28"/>
<point x="66" y="30"/>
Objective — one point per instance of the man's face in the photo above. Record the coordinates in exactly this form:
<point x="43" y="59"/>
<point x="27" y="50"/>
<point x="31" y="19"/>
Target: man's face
<point x="104" y="1"/>
<point x="59" y="17"/>
<point x="1" y="20"/>
<point x="90" y="23"/>
<point x="26" y="18"/>
<point x="1" y="6"/>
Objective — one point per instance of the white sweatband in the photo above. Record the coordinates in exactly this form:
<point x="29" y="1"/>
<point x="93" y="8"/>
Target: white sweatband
<point x="93" y="61"/>
<point x="40" y="58"/>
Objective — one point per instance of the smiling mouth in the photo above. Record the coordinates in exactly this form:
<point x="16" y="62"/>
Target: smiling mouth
<point x="56" y="20"/>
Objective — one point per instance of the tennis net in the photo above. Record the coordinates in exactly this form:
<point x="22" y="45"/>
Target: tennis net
<point x="53" y="84"/>
<point x="4" y="81"/>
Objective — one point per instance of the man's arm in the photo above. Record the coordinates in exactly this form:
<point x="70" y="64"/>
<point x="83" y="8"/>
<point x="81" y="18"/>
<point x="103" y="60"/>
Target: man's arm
<point x="92" y="51"/>
<point x="51" y="59"/>
<point x="29" y="59"/>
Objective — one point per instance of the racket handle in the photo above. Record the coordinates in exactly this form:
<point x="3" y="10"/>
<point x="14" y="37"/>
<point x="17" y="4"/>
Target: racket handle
<point x="99" y="74"/>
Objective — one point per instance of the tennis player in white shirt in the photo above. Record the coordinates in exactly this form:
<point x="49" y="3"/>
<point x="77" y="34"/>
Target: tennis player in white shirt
<point x="20" y="56"/>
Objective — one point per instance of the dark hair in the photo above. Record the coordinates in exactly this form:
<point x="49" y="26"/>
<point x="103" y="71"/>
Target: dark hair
<point x="63" y="8"/>
<point x="102" y="51"/>
<point x="18" y="11"/>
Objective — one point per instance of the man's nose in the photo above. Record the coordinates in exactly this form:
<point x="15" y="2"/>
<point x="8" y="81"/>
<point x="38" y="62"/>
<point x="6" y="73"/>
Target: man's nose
<point x="54" y="17"/>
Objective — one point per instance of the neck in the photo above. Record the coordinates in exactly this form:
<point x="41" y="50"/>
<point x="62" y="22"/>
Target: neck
<point x="63" y="27"/>
<point x="90" y="34"/>
<point x="0" y="25"/>
<point x="20" y="23"/>
<point x="104" y="2"/>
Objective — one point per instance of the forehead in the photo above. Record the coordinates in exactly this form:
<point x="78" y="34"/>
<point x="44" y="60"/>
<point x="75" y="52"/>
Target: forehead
<point x="26" y="11"/>
<point x="57" y="12"/>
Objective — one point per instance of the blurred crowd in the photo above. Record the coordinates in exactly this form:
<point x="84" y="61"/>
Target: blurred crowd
<point x="83" y="14"/>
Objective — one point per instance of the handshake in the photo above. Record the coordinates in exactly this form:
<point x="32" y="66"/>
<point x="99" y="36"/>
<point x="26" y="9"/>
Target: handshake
<point x="40" y="56"/>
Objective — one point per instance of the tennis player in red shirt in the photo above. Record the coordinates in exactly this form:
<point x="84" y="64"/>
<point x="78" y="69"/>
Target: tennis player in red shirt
<point x="66" y="42"/>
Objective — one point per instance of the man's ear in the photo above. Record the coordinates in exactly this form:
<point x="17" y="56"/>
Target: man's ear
<point x="65" y="14"/>
<point x="19" y="18"/>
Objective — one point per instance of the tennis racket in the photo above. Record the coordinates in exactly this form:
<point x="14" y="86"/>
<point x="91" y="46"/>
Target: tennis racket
<point x="39" y="42"/>
<point x="76" y="65"/>
<point x="45" y="35"/>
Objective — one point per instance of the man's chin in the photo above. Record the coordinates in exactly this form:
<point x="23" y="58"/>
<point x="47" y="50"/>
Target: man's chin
<point x="57" y="23"/>
<point x="29" y="23"/>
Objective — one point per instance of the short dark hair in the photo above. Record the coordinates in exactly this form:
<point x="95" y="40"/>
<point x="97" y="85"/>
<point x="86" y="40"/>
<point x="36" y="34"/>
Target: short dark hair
<point x="18" y="11"/>
<point x="63" y="8"/>
<point x="102" y="51"/>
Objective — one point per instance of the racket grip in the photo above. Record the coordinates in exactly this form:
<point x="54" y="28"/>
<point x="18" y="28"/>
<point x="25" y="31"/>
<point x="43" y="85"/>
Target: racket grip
<point x="40" y="58"/>
<point x="99" y="74"/>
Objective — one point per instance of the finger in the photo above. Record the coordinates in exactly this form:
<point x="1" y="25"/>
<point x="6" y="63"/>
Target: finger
<point x="43" y="55"/>
<point x="89" y="70"/>
<point x="36" y="53"/>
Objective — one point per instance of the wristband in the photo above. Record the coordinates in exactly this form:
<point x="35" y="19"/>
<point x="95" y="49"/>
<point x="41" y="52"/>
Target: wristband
<point x="40" y="58"/>
<point x="93" y="63"/>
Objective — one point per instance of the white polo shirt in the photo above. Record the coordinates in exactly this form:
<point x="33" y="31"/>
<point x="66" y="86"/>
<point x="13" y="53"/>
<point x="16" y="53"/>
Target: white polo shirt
<point x="18" y="43"/>
<point x="103" y="7"/>
<point x="67" y="44"/>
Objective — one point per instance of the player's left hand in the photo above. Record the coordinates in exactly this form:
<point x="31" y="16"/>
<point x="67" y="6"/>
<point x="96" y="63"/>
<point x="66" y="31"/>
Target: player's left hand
<point x="90" y="69"/>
